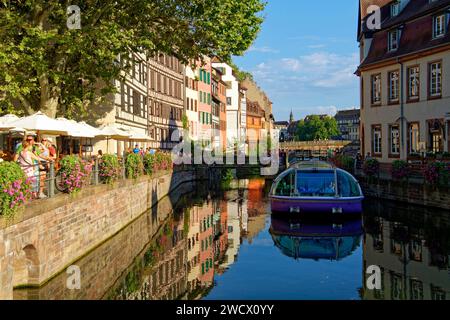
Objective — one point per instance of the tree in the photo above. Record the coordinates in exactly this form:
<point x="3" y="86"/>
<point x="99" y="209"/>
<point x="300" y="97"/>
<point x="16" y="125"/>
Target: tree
<point x="317" y="128"/>
<point x="49" y="67"/>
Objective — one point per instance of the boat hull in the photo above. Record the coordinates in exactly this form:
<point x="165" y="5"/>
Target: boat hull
<point x="339" y="206"/>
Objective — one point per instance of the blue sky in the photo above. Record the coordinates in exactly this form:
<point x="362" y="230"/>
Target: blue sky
<point x="305" y="56"/>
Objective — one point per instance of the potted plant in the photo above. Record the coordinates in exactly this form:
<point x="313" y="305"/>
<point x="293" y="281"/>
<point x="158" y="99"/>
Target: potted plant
<point x="371" y="168"/>
<point x="15" y="188"/>
<point x="437" y="173"/>
<point x="109" y="168"/>
<point x="400" y="170"/>
<point x="134" y="166"/>
<point x="75" y="173"/>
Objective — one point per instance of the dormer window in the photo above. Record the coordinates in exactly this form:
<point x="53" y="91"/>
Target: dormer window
<point x="439" y="26"/>
<point x="394" y="36"/>
<point x="395" y="9"/>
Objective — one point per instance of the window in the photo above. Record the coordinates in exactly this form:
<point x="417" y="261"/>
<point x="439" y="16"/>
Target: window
<point x="395" y="9"/>
<point x="414" y="138"/>
<point x="376" y="89"/>
<point x="439" y="26"/>
<point x="436" y="142"/>
<point x="413" y="83"/>
<point x="286" y="186"/>
<point x="393" y="86"/>
<point x="394" y="36"/>
<point x="435" y="81"/>
<point x="376" y="140"/>
<point x="394" y="140"/>
<point x="311" y="184"/>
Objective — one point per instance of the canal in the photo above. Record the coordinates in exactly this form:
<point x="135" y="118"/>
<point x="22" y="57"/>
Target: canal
<point x="226" y="245"/>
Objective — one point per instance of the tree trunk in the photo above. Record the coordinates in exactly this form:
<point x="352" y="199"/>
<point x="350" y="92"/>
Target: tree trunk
<point x="48" y="99"/>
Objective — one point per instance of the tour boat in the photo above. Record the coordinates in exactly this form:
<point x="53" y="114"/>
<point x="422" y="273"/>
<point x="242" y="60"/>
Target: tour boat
<point x="300" y="240"/>
<point x="316" y="187"/>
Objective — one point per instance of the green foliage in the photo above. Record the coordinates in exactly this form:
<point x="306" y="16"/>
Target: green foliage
<point x="437" y="173"/>
<point x="47" y="66"/>
<point x="344" y="162"/>
<point x="317" y="128"/>
<point x="371" y="168"/>
<point x="185" y="121"/>
<point x="227" y="177"/>
<point x="109" y="168"/>
<point x="15" y="188"/>
<point x="75" y="173"/>
<point x="134" y="166"/>
<point x="400" y="169"/>
<point x="157" y="162"/>
<point x="149" y="161"/>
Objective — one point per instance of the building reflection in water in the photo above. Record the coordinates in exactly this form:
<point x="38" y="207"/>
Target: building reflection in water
<point x="201" y="240"/>
<point x="412" y="247"/>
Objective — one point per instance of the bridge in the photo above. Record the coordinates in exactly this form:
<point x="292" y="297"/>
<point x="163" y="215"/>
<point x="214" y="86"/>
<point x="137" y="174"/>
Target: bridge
<point x="310" y="149"/>
<point x="324" y="145"/>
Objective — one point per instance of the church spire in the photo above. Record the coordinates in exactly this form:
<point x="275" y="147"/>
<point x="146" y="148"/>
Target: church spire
<point x="291" y="117"/>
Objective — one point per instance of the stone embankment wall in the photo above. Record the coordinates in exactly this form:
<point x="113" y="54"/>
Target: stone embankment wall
<point x="413" y="193"/>
<point x="53" y="233"/>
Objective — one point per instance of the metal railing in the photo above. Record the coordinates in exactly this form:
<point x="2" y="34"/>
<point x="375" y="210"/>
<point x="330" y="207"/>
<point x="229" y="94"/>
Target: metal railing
<point x="51" y="188"/>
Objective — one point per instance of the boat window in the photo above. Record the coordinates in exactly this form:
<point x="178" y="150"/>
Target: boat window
<point x="286" y="186"/>
<point x="316" y="183"/>
<point x="347" y="186"/>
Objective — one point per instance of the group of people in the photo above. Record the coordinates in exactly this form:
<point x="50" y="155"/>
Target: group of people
<point x="141" y="150"/>
<point x="34" y="159"/>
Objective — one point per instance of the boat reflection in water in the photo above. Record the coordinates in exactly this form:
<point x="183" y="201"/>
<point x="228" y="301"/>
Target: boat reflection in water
<point x="318" y="241"/>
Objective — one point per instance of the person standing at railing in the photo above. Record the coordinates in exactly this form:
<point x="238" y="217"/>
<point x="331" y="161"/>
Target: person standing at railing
<point x="29" y="163"/>
<point x="46" y="156"/>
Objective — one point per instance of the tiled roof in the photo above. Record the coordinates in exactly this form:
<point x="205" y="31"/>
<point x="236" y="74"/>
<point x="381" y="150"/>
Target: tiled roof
<point x="348" y="113"/>
<point x="365" y="4"/>
<point x="416" y="36"/>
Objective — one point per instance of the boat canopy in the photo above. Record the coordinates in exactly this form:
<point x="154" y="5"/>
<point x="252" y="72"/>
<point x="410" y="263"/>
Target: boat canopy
<point x="317" y="179"/>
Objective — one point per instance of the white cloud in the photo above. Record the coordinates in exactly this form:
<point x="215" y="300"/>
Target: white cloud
<point x="291" y="64"/>
<point x="263" y="50"/>
<point x="301" y="113"/>
<point x="316" y="46"/>
<point x="315" y="70"/>
<point x="330" y="110"/>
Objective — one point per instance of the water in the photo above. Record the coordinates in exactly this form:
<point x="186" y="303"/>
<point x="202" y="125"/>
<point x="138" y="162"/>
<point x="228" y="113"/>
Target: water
<point x="228" y="246"/>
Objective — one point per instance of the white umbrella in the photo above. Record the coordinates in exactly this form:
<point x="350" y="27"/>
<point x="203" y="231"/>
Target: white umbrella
<point x="137" y="136"/>
<point x="90" y="129"/>
<point x="8" y="118"/>
<point x="74" y="129"/>
<point x="42" y="124"/>
<point x="112" y="132"/>
<point x="5" y="127"/>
